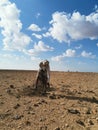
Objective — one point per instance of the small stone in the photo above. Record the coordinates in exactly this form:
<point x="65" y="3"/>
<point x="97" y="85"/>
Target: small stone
<point x="80" y="122"/>
<point x="73" y="111"/>
<point x="87" y="111"/>
<point x="19" y="127"/>
<point x="79" y="93"/>
<point x="43" y="128"/>
<point x="58" y="128"/>
<point x="16" y="106"/>
<point x="28" y="86"/>
<point x="28" y="123"/>
<point x="1" y="103"/>
<point x="94" y="99"/>
<point x="90" y="122"/>
<point x="17" y="96"/>
<point x="30" y="108"/>
<point x="31" y="112"/>
<point x="52" y="96"/>
<point x="43" y="101"/>
<point x="11" y="86"/>
<point x="66" y="125"/>
<point x="36" y="105"/>
<point x="8" y="110"/>
<point x="97" y="119"/>
<point x="42" y="119"/>
<point x="8" y="91"/>
<point x="17" y="117"/>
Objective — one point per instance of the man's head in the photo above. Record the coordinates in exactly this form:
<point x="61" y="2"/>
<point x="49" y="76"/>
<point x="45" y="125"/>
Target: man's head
<point x="46" y="63"/>
<point x="42" y="66"/>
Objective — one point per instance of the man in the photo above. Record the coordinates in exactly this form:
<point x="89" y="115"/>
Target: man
<point x="47" y="66"/>
<point x="41" y="78"/>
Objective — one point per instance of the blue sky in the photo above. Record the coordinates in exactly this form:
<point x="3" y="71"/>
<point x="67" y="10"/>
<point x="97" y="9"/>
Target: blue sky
<point x="64" y="32"/>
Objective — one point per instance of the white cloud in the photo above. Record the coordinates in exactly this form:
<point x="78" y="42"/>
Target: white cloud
<point x="67" y="53"/>
<point x="47" y="34"/>
<point x="19" y="62"/>
<point x="37" y="15"/>
<point x="88" y="55"/>
<point x="38" y="47"/>
<point x="96" y="7"/>
<point x="34" y="27"/>
<point x="3" y="2"/>
<point x="72" y="53"/>
<point x="97" y="44"/>
<point x="6" y="56"/>
<point x="9" y="56"/>
<point x="57" y="58"/>
<point x="66" y="27"/>
<point x="36" y="59"/>
<point x="11" y="26"/>
<point x="41" y="46"/>
<point x="78" y="47"/>
<point x="16" y="42"/>
<point x="37" y="35"/>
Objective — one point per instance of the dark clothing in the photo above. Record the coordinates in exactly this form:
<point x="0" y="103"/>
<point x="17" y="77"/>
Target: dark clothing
<point x="42" y="75"/>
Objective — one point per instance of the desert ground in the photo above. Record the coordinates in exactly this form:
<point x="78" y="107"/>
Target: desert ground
<point x="71" y="102"/>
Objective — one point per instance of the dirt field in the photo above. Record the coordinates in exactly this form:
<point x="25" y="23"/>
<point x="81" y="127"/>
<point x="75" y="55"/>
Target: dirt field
<point x="71" y="103"/>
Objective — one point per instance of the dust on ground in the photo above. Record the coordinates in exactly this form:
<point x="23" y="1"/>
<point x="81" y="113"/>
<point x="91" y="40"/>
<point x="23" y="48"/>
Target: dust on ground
<point x="71" y="102"/>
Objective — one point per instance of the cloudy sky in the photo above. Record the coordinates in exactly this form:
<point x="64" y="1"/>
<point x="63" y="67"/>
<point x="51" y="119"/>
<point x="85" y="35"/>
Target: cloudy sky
<point x="65" y="32"/>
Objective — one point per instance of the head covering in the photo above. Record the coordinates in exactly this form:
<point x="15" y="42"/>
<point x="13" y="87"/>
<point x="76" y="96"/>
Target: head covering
<point x="46" y="62"/>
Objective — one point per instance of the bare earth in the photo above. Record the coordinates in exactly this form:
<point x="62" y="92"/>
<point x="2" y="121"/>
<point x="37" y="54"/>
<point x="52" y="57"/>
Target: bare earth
<point x="71" y="103"/>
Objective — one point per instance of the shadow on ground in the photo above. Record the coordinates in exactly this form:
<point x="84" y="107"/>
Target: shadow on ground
<point x="87" y="99"/>
<point x="31" y="91"/>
